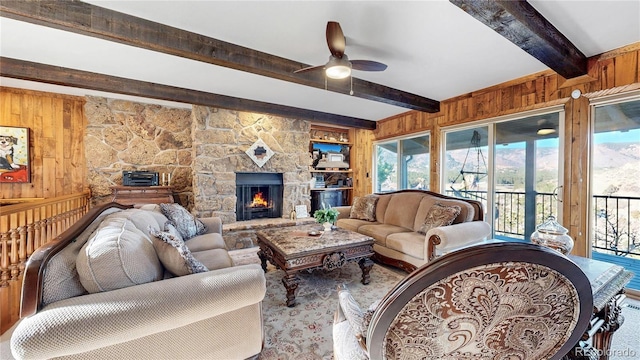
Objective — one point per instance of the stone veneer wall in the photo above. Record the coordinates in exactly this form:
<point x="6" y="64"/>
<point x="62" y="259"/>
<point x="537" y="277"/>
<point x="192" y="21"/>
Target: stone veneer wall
<point x="220" y="140"/>
<point x="124" y="135"/>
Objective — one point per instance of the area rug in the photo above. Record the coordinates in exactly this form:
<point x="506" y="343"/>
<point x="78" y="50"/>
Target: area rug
<point x="304" y="332"/>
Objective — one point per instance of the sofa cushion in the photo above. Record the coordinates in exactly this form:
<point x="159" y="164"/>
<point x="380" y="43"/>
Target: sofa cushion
<point x="353" y="224"/>
<point x="214" y="259"/>
<point x="206" y="242"/>
<point x="379" y="232"/>
<point x="187" y="224"/>
<point x="141" y="219"/>
<point x="410" y="243"/>
<point x="173" y="253"/>
<point x="381" y="206"/>
<point x="439" y="215"/>
<point x="402" y="209"/>
<point x="61" y="279"/>
<point x="117" y="255"/>
<point x="364" y="208"/>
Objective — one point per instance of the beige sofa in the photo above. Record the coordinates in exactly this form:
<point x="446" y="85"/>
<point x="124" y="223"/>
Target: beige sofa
<point x="214" y="314"/>
<point x="400" y="214"/>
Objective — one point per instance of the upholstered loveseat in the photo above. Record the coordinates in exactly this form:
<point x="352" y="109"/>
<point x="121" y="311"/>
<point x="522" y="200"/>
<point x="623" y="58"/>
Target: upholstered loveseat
<point x="398" y="223"/>
<point x="140" y="301"/>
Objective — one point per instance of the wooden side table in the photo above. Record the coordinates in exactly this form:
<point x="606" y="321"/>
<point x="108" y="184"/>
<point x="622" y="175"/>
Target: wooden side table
<point x="130" y="195"/>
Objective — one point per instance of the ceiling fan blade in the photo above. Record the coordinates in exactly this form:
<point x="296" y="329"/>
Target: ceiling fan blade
<point x="309" y="68"/>
<point x="367" y="65"/>
<point x="335" y="39"/>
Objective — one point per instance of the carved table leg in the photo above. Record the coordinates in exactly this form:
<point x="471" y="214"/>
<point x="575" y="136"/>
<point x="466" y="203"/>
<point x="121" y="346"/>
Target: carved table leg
<point x="290" y="282"/>
<point x="365" y="264"/>
<point x="613" y="319"/>
<point x="263" y="260"/>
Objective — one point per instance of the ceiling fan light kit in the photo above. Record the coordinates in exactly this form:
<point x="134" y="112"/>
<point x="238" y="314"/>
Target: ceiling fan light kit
<point x="338" y="68"/>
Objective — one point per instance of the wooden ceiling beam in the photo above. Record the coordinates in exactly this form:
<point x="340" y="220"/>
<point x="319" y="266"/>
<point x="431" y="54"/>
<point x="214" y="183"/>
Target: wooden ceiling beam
<point x="26" y="70"/>
<point x="91" y="20"/>
<point x="523" y="25"/>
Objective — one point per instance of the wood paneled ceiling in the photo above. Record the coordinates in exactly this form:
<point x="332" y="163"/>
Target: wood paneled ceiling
<point x="241" y="55"/>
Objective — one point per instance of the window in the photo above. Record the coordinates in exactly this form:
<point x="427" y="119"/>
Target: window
<point x="402" y="164"/>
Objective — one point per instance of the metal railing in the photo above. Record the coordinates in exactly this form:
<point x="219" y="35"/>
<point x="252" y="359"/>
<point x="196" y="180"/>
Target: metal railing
<point x="616" y="219"/>
<point x="616" y="225"/>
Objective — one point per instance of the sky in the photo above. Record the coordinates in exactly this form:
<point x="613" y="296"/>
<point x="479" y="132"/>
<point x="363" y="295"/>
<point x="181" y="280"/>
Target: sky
<point x="618" y="137"/>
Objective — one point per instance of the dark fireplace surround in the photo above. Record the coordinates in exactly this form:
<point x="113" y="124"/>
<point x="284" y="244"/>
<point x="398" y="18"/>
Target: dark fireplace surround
<point x="259" y="195"/>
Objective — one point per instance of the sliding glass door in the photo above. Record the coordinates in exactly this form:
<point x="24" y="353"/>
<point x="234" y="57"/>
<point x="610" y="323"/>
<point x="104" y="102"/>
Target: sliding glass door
<point x="615" y="188"/>
<point x="513" y="166"/>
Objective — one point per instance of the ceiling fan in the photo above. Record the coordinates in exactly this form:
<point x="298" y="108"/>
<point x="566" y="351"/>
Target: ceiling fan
<point x="339" y="66"/>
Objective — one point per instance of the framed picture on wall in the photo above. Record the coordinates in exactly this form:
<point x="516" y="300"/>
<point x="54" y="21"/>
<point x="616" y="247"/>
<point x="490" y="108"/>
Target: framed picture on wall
<point x="14" y="155"/>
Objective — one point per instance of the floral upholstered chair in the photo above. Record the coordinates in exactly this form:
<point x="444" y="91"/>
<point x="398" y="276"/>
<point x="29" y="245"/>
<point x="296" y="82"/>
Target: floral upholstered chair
<point x="491" y="301"/>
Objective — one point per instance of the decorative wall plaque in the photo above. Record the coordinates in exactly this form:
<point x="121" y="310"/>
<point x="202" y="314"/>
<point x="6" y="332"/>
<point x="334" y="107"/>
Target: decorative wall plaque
<point x="259" y="152"/>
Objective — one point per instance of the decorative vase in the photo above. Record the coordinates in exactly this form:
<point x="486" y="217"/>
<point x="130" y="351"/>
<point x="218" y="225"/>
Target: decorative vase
<point x="327" y="226"/>
<point x="553" y="235"/>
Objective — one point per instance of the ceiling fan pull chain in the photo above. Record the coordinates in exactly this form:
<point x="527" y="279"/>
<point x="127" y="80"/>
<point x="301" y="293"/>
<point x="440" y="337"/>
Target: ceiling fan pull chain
<point x="351" y="92"/>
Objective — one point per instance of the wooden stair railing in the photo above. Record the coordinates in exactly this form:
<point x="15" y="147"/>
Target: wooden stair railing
<point x="24" y="228"/>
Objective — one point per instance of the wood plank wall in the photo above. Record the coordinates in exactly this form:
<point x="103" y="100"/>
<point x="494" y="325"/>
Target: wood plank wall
<point x="56" y="128"/>
<point x="616" y="71"/>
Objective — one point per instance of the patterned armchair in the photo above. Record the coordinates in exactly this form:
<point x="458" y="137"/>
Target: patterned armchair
<point x="491" y="301"/>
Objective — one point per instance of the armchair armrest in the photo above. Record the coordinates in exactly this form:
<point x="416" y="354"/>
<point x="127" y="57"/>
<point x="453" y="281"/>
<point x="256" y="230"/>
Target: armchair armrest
<point x="213" y="224"/>
<point x="454" y="237"/>
<point x="343" y="211"/>
<point x="89" y="322"/>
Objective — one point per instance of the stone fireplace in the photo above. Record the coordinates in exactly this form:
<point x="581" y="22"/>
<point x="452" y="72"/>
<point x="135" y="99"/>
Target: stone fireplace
<point x="220" y="139"/>
<point x="259" y="195"/>
<point x="202" y="148"/>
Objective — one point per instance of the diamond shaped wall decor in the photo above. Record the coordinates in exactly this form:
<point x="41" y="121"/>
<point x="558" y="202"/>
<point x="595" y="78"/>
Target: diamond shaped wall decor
<point x="259" y="152"/>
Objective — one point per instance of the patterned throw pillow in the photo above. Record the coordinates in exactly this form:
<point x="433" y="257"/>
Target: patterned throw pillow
<point x="364" y="208"/>
<point x="439" y="215"/>
<point x="187" y="224"/>
<point x="173" y="253"/>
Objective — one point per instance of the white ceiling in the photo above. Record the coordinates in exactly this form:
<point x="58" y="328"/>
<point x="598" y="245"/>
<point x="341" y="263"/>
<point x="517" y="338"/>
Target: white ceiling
<point x="432" y="48"/>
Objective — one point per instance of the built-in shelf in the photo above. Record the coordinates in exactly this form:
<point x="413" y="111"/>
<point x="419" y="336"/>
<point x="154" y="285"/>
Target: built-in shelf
<point x="326" y="142"/>
<point x="338" y="142"/>
<point x="332" y="189"/>
<point x="333" y="171"/>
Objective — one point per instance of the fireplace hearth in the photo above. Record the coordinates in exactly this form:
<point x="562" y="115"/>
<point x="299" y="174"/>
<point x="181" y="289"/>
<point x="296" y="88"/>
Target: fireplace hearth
<point x="259" y="195"/>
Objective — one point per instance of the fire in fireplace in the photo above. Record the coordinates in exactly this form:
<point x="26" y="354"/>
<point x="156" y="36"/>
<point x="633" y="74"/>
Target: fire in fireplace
<point x="259" y="200"/>
<point x="259" y="195"/>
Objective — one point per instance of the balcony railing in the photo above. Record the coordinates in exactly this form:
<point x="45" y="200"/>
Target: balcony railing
<point x="616" y="225"/>
<point x="616" y="219"/>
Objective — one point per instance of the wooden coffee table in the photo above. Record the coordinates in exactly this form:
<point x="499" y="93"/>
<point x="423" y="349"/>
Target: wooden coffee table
<point x="292" y="249"/>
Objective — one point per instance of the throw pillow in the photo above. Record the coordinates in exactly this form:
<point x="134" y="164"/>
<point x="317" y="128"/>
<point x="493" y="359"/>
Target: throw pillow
<point x="364" y="208"/>
<point x="173" y="253"/>
<point x="439" y="215"/>
<point x="117" y="255"/>
<point x="187" y="224"/>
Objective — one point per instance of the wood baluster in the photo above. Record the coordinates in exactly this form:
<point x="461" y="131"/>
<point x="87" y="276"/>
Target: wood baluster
<point x="37" y="242"/>
<point x="22" y="249"/>
<point x="58" y="222"/>
<point x="48" y="234"/>
<point x="31" y="241"/>
<point x="13" y="261"/>
<point x="4" y="259"/>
